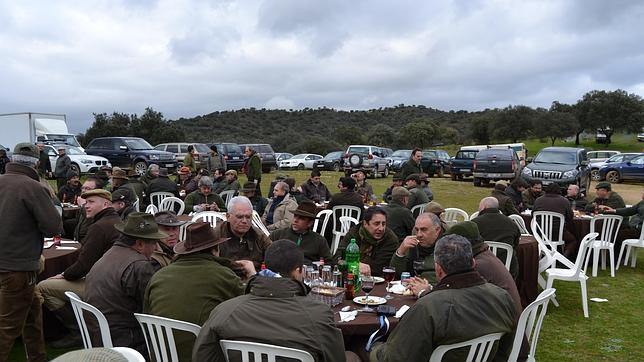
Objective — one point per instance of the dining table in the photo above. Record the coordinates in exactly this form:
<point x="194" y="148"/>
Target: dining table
<point x="580" y="224"/>
<point x="528" y="258"/>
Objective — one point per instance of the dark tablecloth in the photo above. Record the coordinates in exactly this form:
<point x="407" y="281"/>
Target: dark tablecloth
<point x="56" y="261"/>
<point x="528" y="256"/>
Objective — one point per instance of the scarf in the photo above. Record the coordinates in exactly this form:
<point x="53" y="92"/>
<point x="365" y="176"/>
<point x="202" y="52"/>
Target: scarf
<point x="276" y="201"/>
<point x="368" y="242"/>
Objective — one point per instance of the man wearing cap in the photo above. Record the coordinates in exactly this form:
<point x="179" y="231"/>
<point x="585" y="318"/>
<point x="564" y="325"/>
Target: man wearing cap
<point x="100" y="238"/>
<point x="170" y="225"/>
<point x="417" y="196"/>
<point x="412" y="166"/>
<point x="28" y="214"/>
<point x="314" y="245"/>
<point x="161" y="183"/>
<point x="529" y="195"/>
<point x="506" y="205"/>
<point x="195" y="283"/>
<point x="399" y="218"/>
<point x="314" y="189"/>
<point x="44" y="164"/>
<point x="122" y="200"/>
<point x="419" y="247"/>
<point x="63" y="167"/>
<point x="276" y="310"/>
<point x="116" y="283"/>
<point x="187" y="183"/>
<point x="397" y="181"/>
<point x="605" y="197"/>
<point x="259" y="203"/>
<point x="204" y="199"/>
<point x="424" y="185"/>
<point x="437" y="209"/>
<point x="495" y="226"/>
<point x="77" y="227"/>
<point x="231" y="182"/>
<point x="363" y="188"/>
<point x="151" y="173"/>
<point x="71" y="190"/>
<point x="253" y="168"/>
<point x="347" y="194"/>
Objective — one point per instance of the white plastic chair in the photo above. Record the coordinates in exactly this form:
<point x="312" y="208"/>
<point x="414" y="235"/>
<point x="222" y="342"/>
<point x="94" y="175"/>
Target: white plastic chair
<point x="520" y="223"/>
<point x="157" y="197"/>
<point x="227" y="196"/>
<point x="496" y="245"/>
<point x="545" y="220"/>
<point x="546" y="260"/>
<point x="183" y="231"/>
<point x="418" y="209"/>
<point x="151" y="209"/>
<point x="480" y="348"/>
<point x="631" y="244"/>
<point x="209" y="216"/>
<point x="338" y="212"/>
<point x="575" y="274"/>
<point x="320" y="224"/>
<point x="131" y="355"/>
<point x="170" y="204"/>
<point x="135" y="205"/>
<point x="605" y="241"/>
<point x="530" y="325"/>
<point x="451" y="215"/>
<point x="474" y="214"/>
<point x="159" y="333"/>
<point x="345" y="224"/>
<point x="79" y="306"/>
<point x="259" y="350"/>
<point x="258" y="223"/>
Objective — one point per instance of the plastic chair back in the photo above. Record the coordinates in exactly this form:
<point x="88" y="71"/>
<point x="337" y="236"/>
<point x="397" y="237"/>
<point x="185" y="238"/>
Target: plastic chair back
<point x="135" y="205"/>
<point x="320" y="224"/>
<point x="474" y="214"/>
<point x="496" y="245"/>
<point x="209" y="216"/>
<point x="607" y="230"/>
<point x="418" y="209"/>
<point x="171" y="203"/>
<point x="130" y="354"/>
<point x="151" y="209"/>
<point x="451" y="215"/>
<point x="345" y="224"/>
<point x="258" y="223"/>
<point x="480" y="348"/>
<point x="79" y="306"/>
<point x="157" y="197"/>
<point x="344" y="210"/>
<point x="546" y="220"/>
<point x="159" y="336"/>
<point x="183" y="232"/>
<point x="256" y="352"/>
<point x="629" y="244"/>
<point x="529" y="324"/>
<point x="227" y="196"/>
<point x="520" y="223"/>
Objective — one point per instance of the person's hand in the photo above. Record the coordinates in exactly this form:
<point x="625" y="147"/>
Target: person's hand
<point x="246" y="266"/>
<point x="80" y="201"/>
<point x="214" y="207"/>
<point x="365" y="269"/>
<point x="418" y="285"/>
<point x="409" y="242"/>
<point x="605" y="208"/>
<point x="57" y="276"/>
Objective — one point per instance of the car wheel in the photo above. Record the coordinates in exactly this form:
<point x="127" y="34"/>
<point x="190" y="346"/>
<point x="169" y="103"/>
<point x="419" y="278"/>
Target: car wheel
<point x="477" y="182"/>
<point x="613" y="177"/>
<point x="336" y="167"/>
<point x="140" y="167"/>
<point x="485" y="182"/>
<point x="594" y="174"/>
<point x="374" y="172"/>
<point x="300" y="166"/>
<point x="76" y="169"/>
<point x="386" y="172"/>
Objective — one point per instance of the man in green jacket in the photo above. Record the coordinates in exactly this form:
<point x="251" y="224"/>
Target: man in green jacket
<point x="461" y="307"/>
<point x="189" y="160"/>
<point x="417" y="196"/>
<point x="399" y="218"/>
<point x="419" y="248"/>
<point x="254" y="168"/>
<point x="203" y="199"/>
<point x="412" y="166"/>
<point x="194" y="284"/>
<point x="606" y="197"/>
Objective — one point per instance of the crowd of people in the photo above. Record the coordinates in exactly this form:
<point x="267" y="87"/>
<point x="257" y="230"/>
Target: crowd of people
<point x="236" y="281"/>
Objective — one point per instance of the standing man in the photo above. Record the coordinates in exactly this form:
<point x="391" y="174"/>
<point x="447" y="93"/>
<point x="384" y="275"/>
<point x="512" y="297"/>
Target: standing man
<point x="44" y="164"/>
<point x="412" y="166"/>
<point x="215" y="160"/>
<point x="417" y="195"/>
<point x="189" y="160"/>
<point x="315" y="190"/>
<point x="63" y="167"/>
<point x="28" y="216"/>
<point x="254" y="168"/>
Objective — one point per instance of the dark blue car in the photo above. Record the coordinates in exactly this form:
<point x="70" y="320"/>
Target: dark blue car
<point x="632" y="169"/>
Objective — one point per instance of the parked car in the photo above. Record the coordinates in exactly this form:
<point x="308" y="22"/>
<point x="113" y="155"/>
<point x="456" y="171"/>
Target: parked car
<point x="9" y="153"/>
<point x="640" y="137"/>
<point x="281" y="156"/>
<point x="180" y="149"/>
<point x="330" y="162"/>
<point x="435" y="162"/>
<point x="620" y="157"/>
<point x="595" y="156"/>
<point x="82" y="163"/>
<point x="462" y="164"/>
<point x="617" y="172"/>
<point x="563" y="165"/>
<point x="131" y="153"/>
<point x="233" y="154"/>
<point x="265" y="152"/>
<point x="369" y="159"/>
<point x="397" y="159"/>
<point x="495" y="164"/>
<point x="301" y="161"/>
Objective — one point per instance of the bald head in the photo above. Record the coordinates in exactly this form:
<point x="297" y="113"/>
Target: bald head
<point x="489" y="203"/>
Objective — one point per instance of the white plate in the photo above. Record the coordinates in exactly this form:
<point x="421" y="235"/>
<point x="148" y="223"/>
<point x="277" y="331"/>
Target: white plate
<point x="373" y="300"/>
<point x="378" y="280"/>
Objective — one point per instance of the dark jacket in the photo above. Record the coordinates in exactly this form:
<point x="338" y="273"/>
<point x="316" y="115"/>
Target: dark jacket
<point x="554" y="203"/>
<point x="410" y="167"/>
<point x="197" y="198"/>
<point x="312" y="244"/>
<point x="275" y="311"/>
<point x="188" y="185"/>
<point x="188" y="290"/>
<point x="494" y="226"/>
<point x="254" y="168"/>
<point x="506" y="205"/>
<point x="417" y="197"/>
<point x="515" y="196"/>
<point x="399" y="219"/>
<point x="365" y="190"/>
<point x="493" y="271"/>
<point x="315" y="193"/>
<point x="577" y="203"/>
<point x="614" y="201"/>
<point x="377" y="256"/>
<point x="405" y="263"/>
<point x="63" y="166"/>
<point x="100" y="237"/>
<point x="44" y="164"/>
<point x="138" y="189"/>
<point x="259" y="204"/>
<point x="83" y="224"/>
<point x="28" y="216"/>
<point x="350" y="198"/>
<point x="116" y="286"/>
<point x="637" y="211"/>
<point x="529" y="198"/>
<point x="68" y="193"/>
<point x="147" y="178"/>
<point x="161" y="184"/>
<point x="251" y="247"/>
<point x="215" y="161"/>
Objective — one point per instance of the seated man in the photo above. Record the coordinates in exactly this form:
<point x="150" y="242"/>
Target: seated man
<point x="219" y="180"/>
<point x="399" y="218"/>
<point x="314" y="245"/>
<point x="530" y="195"/>
<point x="377" y="242"/>
<point x="99" y="239"/>
<point x="396" y="181"/>
<point x="363" y="188"/>
<point x="506" y="205"/>
<point x="170" y="225"/>
<point x="553" y="201"/>
<point x="116" y="284"/>
<point x="347" y="194"/>
<point x="246" y="242"/>
<point x="259" y="203"/>
<point x="295" y="192"/>
<point x="122" y="200"/>
<point x="71" y="190"/>
<point x="514" y="191"/>
<point x="424" y="185"/>
<point x="461" y="307"/>
<point x="495" y="226"/>
<point x="187" y="183"/>
<point x="314" y="189"/>
<point x="76" y="226"/>
<point x="605" y="197"/>
<point x="151" y="173"/>
<point x="631" y="228"/>
<point x="279" y="211"/>
<point x="230" y="181"/>
<point x="194" y="284"/>
<point x="161" y="183"/>
<point x="418" y="196"/>
<point x="576" y="198"/>
<point x="419" y="248"/>
<point x="275" y="311"/>
<point x="204" y="199"/>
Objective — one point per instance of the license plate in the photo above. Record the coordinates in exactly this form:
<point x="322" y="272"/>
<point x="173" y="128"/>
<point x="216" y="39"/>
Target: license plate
<point x="494" y="175"/>
<point x="465" y="170"/>
<point x="319" y="165"/>
<point x="169" y="165"/>
<point x="235" y="158"/>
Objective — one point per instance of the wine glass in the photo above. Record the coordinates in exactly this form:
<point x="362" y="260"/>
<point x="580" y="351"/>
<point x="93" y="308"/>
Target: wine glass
<point x="419" y="266"/>
<point x="389" y="273"/>
<point x="367" y="282"/>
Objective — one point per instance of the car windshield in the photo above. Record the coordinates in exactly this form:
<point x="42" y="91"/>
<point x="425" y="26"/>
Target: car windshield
<point x="402" y="154"/>
<point x="556" y="157"/>
<point x="299" y="157"/>
<point x="137" y="144"/>
<point x="334" y="155"/>
<point x="73" y="151"/>
<point x="63" y="138"/>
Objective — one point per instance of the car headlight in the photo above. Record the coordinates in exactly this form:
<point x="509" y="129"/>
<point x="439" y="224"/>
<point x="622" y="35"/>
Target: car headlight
<point x="154" y="157"/>
<point x="526" y="171"/>
<point x="86" y="161"/>
<point x="570" y="174"/>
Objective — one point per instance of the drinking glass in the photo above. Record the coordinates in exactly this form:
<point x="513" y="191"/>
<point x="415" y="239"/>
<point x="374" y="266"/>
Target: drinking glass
<point x="389" y="272"/>
<point x="327" y="276"/>
<point x="419" y="266"/>
<point x="315" y="277"/>
<point x="367" y="286"/>
<point x="307" y="275"/>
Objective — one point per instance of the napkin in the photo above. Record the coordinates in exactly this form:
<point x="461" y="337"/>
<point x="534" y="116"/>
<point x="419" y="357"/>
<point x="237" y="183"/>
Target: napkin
<point x="397" y="289"/>
<point x="348" y="316"/>
<point x="66" y="248"/>
<point x="401" y="311"/>
<point x="599" y="300"/>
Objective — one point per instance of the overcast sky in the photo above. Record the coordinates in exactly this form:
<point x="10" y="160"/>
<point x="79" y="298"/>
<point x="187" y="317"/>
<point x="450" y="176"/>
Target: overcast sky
<point x="187" y="58"/>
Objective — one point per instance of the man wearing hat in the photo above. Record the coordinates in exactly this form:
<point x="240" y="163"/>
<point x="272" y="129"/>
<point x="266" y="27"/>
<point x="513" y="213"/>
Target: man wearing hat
<point x="605" y="197"/>
<point x="169" y="224"/>
<point x="314" y="189"/>
<point x="122" y="200"/>
<point x="204" y="199"/>
<point x="195" y="283"/>
<point x="424" y="185"/>
<point x="347" y="194"/>
<point x="118" y="178"/>
<point x="399" y="218"/>
<point x="231" y="182"/>
<point x="63" y="167"/>
<point x="397" y="180"/>
<point x="314" y="245"/>
<point x="259" y="203"/>
<point x="161" y="183"/>
<point x="506" y="205"/>
<point x="417" y="196"/>
<point x="28" y="214"/>
<point x="100" y="238"/>
<point x="187" y="183"/>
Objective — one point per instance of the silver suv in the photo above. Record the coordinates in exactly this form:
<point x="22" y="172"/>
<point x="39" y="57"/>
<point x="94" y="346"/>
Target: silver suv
<point x="369" y="159"/>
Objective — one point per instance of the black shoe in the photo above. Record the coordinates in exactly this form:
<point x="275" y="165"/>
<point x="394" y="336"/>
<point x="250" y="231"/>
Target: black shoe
<point x="70" y="340"/>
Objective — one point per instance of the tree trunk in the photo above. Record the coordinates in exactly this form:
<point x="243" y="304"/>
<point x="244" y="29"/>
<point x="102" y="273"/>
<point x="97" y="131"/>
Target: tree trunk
<point x="577" y="138"/>
<point x="553" y="139"/>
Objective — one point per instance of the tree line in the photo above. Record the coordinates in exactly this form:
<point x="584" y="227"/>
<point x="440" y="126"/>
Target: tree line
<point x="324" y="129"/>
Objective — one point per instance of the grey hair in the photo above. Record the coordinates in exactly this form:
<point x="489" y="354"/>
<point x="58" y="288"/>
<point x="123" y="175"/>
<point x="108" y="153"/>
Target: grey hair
<point x="489" y="203"/>
<point x="436" y="221"/>
<point x="24" y="160"/>
<point x="153" y="166"/>
<point x="238" y="201"/>
<point x="454" y="254"/>
<point x="283" y="186"/>
<point x="205" y="181"/>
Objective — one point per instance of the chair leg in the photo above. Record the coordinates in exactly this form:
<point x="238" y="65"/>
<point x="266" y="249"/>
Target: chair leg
<point x="621" y="252"/>
<point x="549" y="285"/>
<point x="596" y="253"/>
<point x="611" y="260"/>
<point x="584" y="296"/>
<point x="541" y="281"/>
<point x="602" y="253"/>
<point x="634" y="260"/>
